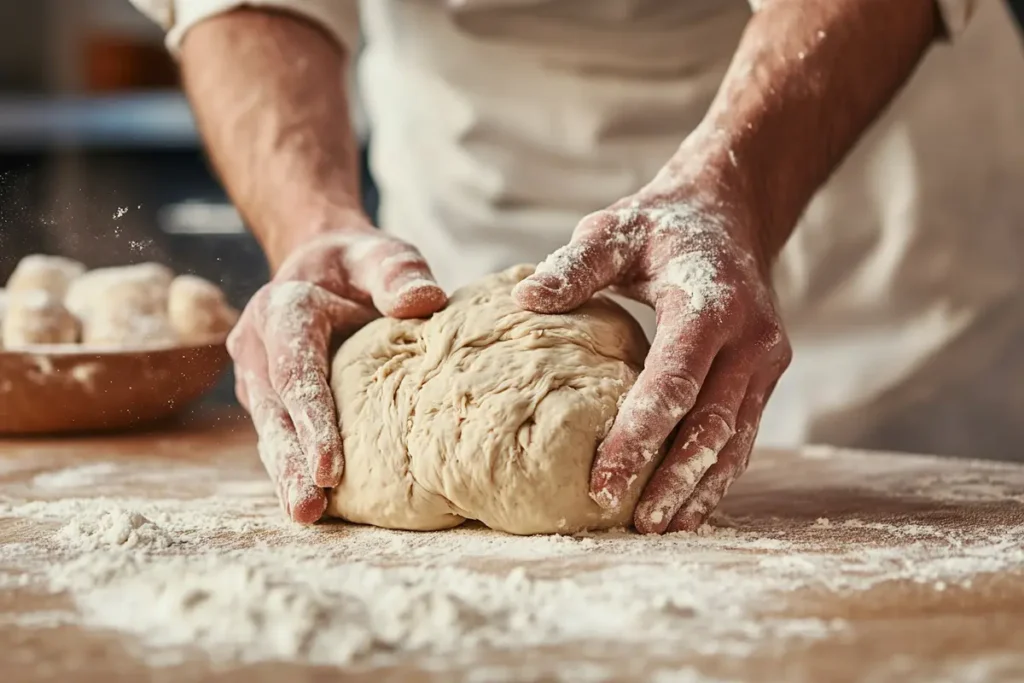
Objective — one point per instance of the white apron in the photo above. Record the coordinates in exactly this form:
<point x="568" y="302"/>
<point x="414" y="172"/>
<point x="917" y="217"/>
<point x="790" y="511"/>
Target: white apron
<point x="497" y="124"/>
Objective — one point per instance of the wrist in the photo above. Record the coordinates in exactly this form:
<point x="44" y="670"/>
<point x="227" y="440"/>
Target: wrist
<point x="710" y="172"/>
<point x="303" y="227"/>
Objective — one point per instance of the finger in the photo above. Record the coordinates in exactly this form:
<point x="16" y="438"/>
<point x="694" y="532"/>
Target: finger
<point x="241" y="390"/>
<point x="282" y="456"/>
<point x="604" y="246"/>
<point x="237" y="349"/>
<point x="695" y="450"/>
<point x="296" y="331"/>
<point x="676" y="367"/>
<point x="395" y="275"/>
<point x="732" y="462"/>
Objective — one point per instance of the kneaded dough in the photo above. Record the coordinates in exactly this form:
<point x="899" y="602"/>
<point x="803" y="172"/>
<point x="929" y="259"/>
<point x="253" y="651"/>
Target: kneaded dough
<point x="37" y="317"/>
<point x="483" y="411"/>
<point x="198" y="310"/>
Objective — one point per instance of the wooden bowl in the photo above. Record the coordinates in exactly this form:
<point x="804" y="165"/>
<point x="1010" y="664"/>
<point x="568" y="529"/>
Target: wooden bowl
<point x="71" y="389"/>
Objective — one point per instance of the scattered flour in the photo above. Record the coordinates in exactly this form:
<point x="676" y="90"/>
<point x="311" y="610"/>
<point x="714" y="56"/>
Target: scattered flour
<point x="117" y="528"/>
<point x="694" y="273"/>
<point x="226" y="573"/>
<point x="74" y="477"/>
<point x="249" y="586"/>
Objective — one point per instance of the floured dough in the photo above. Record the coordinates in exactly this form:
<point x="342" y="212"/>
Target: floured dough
<point x="51" y="274"/>
<point x="37" y="317"/>
<point x="123" y="306"/>
<point x="484" y="412"/>
<point x="198" y="310"/>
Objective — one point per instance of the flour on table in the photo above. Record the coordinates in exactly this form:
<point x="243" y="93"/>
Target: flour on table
<point x="72" y="477"/>
<point x="227" y="574"/>
<point x="116" y="528"/>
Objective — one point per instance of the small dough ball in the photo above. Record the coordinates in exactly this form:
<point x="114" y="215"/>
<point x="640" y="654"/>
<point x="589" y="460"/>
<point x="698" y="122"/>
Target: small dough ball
<point x="51" y="274"/>
<point x="198" y="310"/>
<point x="141" y="288"/>
<point x="124" y="327"/>
<point x="37" y="317"/>
<point x="125" y="306"/>
<point x="3" y="306"/>
<point x="484" y="411"/>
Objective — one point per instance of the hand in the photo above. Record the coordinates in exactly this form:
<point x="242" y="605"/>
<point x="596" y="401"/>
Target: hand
<point x="331" y="285"/>
<point x="716" y="356"/>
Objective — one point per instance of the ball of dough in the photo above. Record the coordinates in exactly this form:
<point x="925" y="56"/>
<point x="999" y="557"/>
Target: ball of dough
<point x="198" y="310"/>
<point x="124" y="306"/>
<point x="127" y="329"/>
<point x="51" y="274"/>
<point x="37" y="317"/>
<point x="142" y="287"/>
<point x="484" y="411"/>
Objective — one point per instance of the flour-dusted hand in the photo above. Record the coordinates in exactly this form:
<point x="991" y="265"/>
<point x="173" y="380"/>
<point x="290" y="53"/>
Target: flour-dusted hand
<point x="330" y="286"/>
<point x="717" y="353"/>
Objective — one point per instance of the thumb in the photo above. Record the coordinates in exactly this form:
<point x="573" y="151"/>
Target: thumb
<point x="396" y="277"/>
<point x="602" y="249"/>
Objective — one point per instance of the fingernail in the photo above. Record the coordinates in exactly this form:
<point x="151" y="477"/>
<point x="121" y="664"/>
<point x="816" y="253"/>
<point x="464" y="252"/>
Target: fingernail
<point x="307" y="504"/>
<point x="607" y="490"/>
<point x="417" y="297"/>
<point x="605" y="499"/>
<point x="652" y="517"/>
<point x="329" y="470"/>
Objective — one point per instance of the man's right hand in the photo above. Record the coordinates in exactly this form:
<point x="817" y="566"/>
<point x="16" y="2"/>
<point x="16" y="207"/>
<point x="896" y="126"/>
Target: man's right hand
<point x="282" y="141"/>
<point x="331" y="285"/>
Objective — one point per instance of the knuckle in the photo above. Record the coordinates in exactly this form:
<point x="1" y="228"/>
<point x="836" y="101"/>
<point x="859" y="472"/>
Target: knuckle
<point x="292" y="307"/>
<point x="299" y="384"/>
<point x="402" y="261"/>
<point x="595" y="224"/>
<point x="678" y="388"/>
<point x="291" y="293"/>
<point x="240" y="343"/>
<point x="289" y="384"/>
<point x="235" y="342"/>
<point x="770" y="338"/>
<point x="715" y="420"/>
<point x="368" y="249"/>
<point x="785" y="357"/>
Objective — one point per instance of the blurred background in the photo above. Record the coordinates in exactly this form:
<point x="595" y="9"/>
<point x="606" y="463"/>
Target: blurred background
<point x="99" y="157"/>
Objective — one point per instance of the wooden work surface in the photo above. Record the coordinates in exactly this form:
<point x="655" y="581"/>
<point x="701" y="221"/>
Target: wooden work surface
<point x="967" y="627"/>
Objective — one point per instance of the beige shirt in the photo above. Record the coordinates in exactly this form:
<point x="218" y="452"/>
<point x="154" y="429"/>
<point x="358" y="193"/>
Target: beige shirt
<point x="497" y="124"/>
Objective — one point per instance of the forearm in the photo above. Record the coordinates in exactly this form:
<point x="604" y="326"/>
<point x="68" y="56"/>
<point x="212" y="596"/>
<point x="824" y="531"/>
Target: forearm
<point x="269" y="97"/>
<point x="806" y="81"/>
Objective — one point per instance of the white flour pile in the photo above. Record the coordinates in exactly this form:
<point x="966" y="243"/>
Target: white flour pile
<point x="228" y="575"/>
<point x="112" y="529"/>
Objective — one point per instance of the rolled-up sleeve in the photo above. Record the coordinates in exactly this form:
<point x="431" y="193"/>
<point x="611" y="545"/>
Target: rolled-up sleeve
<point x="339" y="17"/>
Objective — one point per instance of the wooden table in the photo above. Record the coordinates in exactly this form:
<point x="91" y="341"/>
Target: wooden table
<point x="891" y="627"/>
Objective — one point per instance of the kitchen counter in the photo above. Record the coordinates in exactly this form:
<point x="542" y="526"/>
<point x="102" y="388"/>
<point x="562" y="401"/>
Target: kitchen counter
<point x="824" y="565"/>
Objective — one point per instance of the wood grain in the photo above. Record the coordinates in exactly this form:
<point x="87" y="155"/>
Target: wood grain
<point x="897" y="631"/>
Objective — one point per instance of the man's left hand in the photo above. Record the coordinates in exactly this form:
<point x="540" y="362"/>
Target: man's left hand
<point x="690" y="251"/>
